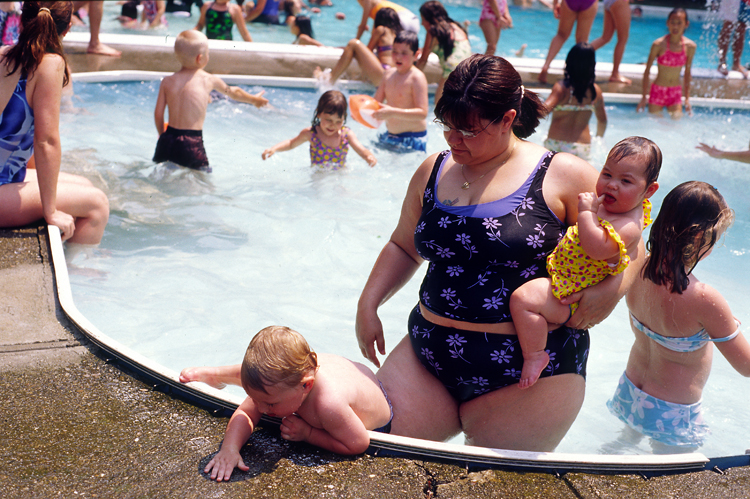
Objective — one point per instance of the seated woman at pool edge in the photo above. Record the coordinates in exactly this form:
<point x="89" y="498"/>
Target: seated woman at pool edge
<point x="29" y="128"/>
<point x="485" y="214"/>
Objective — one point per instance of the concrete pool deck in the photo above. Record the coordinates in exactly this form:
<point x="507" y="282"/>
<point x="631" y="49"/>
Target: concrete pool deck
<point x="74" y="425"/>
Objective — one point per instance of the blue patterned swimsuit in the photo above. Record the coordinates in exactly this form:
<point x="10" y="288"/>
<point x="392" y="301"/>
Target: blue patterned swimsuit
<point x="478" y="256"/>
<point x="16" y="136"/>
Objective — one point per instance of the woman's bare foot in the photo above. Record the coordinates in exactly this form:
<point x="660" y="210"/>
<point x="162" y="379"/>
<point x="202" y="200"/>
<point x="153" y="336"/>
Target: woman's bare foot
<point x="618" y="78"/>
<point x="723" y="69"/>
<point x="205" y="375"/>
<point x="542" y="75"/>
<point x="741" y="69"/>
<point x="533" y="365"/>
<point x="101" y="49"/>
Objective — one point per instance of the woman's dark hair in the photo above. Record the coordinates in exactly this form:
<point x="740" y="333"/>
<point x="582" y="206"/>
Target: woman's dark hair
<point x="331" y="102"/>
<point x="645" y="149"/>
<point x="389" y="18"/>
<point x="692" y="217"/>
<point x="486" y="87"/>
<point x="440" y="27"/>
<point x="409" y="39"/>
<point x="42" y="24"/>
<point x="304" y="25"/>
<point x="580" y="71"/>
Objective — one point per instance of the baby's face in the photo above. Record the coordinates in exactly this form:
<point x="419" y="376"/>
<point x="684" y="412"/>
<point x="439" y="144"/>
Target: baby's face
<point x="280" y="401"/>
<point x="622" y="183"/>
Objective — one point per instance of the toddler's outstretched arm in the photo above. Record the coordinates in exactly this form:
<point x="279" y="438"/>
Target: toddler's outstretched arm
<point x="239" y="429"/>
<point x="289" y="144"/>
<point x="365" y="153"/>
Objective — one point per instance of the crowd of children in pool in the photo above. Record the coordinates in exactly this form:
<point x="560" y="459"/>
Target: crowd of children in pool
<point x="330" y="401"/>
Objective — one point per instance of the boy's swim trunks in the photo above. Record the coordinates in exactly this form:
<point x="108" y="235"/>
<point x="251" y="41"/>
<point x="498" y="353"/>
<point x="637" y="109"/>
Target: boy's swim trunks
<point x="182" y="147"/>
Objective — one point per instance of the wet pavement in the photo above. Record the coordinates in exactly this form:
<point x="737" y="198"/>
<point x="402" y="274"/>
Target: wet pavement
<point x="75" y="425"/>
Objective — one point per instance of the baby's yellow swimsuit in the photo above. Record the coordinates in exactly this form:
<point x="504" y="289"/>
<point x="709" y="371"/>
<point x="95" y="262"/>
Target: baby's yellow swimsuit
<point x="572" y="270"/>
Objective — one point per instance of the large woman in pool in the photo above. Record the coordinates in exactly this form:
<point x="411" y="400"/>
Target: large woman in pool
<point x="484" y="214"/>
<point x="33" y="74"/>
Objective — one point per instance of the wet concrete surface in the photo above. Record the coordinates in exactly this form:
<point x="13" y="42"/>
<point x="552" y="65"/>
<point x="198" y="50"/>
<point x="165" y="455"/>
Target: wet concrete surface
<point x="75" y="425"/>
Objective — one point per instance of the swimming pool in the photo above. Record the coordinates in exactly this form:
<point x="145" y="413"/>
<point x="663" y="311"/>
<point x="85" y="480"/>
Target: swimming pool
<point x="192" y="265"/>
<point x="336" y="33"/>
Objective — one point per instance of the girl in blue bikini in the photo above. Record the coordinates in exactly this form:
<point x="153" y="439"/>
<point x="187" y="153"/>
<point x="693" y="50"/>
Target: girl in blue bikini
<point x="675" y="318"/>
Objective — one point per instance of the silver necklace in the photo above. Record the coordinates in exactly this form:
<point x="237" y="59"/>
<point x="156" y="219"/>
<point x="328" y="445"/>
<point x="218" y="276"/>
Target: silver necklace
<point x="467" y="184"/>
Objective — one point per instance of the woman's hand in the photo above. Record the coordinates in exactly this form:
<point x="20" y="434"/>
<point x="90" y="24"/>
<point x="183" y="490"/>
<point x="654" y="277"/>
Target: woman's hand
<point x="65" y="222"/>
<point x="594" y="305"/>
<point x="369" y="331"/>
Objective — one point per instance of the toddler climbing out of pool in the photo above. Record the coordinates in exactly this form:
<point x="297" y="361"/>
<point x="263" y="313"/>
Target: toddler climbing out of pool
<point x="323" y="399"/>
<point x="328" y="137"/>
<point x="671" y="52"/>
<point x="404" y="92"/>
<point x="675" y="318"/>
<point x="610" y="223"/>
<point x="185" y="94"/>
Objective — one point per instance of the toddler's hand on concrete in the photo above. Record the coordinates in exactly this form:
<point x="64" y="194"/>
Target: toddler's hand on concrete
<point x="223" y="463"/>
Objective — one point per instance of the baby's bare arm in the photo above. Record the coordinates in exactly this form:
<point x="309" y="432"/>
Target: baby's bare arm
<point x="161" y="104"/>
<point x="237" y="93"/>
<point x="240" y="427"/>
<point x="343" y="432"/>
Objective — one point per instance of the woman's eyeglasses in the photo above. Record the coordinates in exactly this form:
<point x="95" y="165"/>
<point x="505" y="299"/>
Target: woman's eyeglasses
<point x="445" y="127"/>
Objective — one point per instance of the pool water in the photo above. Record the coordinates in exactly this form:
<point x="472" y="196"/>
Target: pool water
<point x="534" y="27"/>
<point x="192" y="265"/>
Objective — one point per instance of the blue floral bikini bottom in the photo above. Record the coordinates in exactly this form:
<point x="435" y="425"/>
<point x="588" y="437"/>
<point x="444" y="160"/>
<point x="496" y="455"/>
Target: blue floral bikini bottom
<point x="470" y="363"/>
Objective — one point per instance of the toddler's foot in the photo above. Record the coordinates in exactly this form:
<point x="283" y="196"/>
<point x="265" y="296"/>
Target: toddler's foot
<point x="533" y="365"/>
<point x="519" y="52"/>
<point x="202" y="374"/>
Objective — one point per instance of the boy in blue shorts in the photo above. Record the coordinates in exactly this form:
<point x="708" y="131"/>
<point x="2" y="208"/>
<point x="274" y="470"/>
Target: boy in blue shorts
<point x="404" y="90"/>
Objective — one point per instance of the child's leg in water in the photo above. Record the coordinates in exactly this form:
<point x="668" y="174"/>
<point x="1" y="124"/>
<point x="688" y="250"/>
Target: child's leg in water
<point x="217" y="377"/>
<point x="534" y="307"/>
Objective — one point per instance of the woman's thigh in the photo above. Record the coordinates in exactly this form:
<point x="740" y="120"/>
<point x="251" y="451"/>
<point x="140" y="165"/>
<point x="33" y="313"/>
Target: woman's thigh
<point x="422" y="407"/>
<point x="585" y="21"/>
<point x="533" y="419"/>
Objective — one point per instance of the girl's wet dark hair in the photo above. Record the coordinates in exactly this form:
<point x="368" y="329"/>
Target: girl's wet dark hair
<point x="409" y="39"/>
<point x="439" y="22"/>
<point x="42" y="24"/>
<point x="304" y="25"/>
<point x="485" y="87"/>
<point x="580" y="71"/>
<point x="331" y="102"/>
<point x="678" y="10"/>
<point x="642" y="147"/>
<point x="692" y="217"/>
<point x="389" y="18"/>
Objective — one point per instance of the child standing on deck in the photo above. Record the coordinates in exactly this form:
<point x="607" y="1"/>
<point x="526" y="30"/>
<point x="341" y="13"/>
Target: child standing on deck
<point x="671" y="52"/>
<point x="404" y="89"/>
<point x="219" y="17"/>
<point x="186" y="95"/>
<point x="324" y="400"/>
<point x="609" y="227"/>
<point x="329" y="138"/>
<point x="495" y="16"/>
<point x="675" y="317"/>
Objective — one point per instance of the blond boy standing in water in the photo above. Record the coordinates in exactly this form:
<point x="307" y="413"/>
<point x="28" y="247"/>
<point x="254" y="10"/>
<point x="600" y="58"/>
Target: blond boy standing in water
<point x="404" y="90"/>
<point x="186" y="95"/>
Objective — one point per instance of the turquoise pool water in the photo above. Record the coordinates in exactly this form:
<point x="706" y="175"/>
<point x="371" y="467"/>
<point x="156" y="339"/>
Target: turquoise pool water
<point x="193" y="265"/>
<point x="534" y="27"/>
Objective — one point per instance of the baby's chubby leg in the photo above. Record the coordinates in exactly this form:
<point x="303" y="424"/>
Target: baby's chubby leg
<point x="534" y="308"/>
<point x="217" y="377"/>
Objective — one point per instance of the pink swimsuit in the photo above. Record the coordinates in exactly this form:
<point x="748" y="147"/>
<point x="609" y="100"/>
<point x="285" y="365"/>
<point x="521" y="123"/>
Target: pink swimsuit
<point x="668" y="96"/>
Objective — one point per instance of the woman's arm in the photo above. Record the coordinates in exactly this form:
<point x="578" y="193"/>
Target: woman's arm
<point x="429" y="41"/>
<point x="686" y="79"/>
<point x="45" y="102"/>
<point x="366" y="8"/>
<point x="395" y="266"/>
<point x="743" y="156"/>
<point x="256" y="10"/>
<point x="377" y="33"/>
<point x="555" y="96"/>
<point x="646" y="86"/>
<point x="600" y="112"/>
